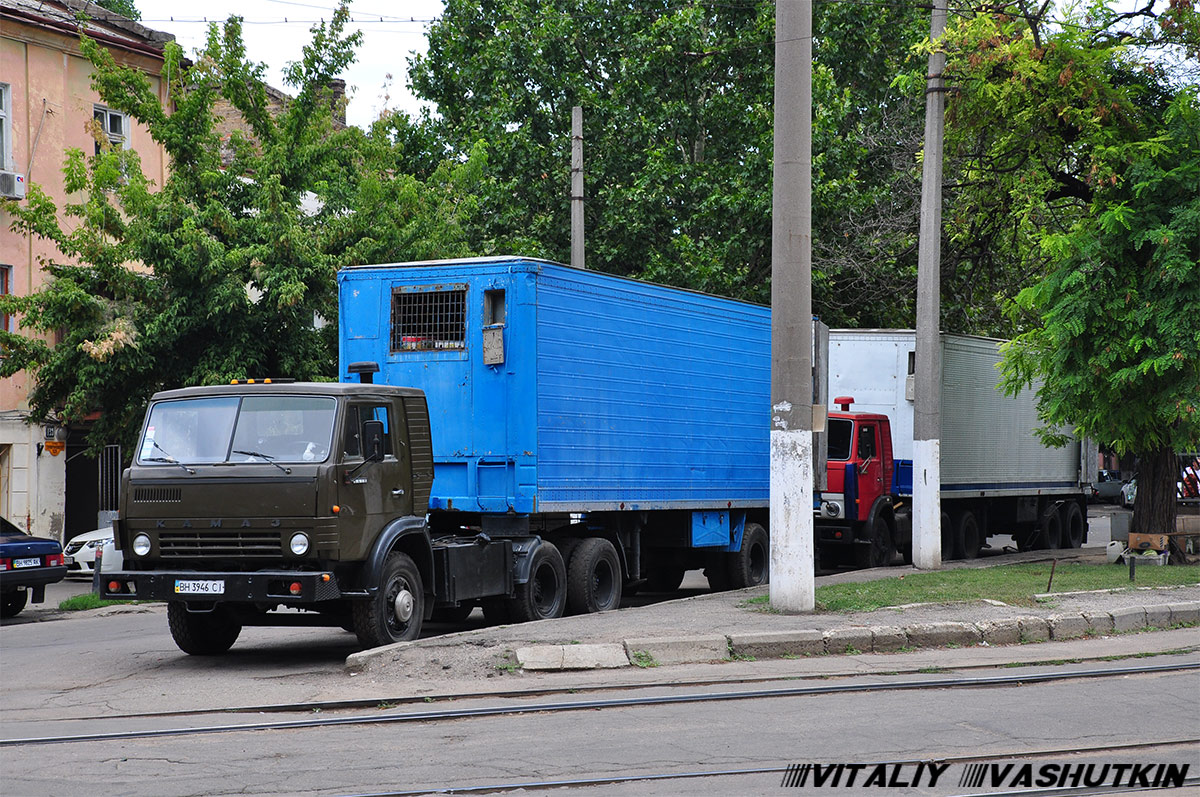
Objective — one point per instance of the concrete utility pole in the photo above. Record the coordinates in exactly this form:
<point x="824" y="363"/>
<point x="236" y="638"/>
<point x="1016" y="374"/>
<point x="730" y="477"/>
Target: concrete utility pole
<point x="791" y="313"/>
<point x="577" y="187"/>
<point x="927" y="412"/>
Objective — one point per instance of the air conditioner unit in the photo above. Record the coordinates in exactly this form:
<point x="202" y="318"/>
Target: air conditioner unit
<point x="12" y="185"/>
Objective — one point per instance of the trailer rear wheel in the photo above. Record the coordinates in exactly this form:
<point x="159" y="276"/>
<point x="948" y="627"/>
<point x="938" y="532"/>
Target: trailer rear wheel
<point x="593" y="577"/>
<point x="202" y="633"/>
<point x="395" y="612"/>
<point x="1073" y="525"/>
<point x="1049" y="533"/>
<point x="968" y="538"/>
<point x="751" y="566"/>
<point x="544" y="595"/>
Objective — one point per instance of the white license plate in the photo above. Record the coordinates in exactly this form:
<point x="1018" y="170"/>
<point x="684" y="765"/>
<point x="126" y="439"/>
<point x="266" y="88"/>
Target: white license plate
<point x="199" y="587"/>
<point x="68" y="560"/>
<point x="33" y="562"/>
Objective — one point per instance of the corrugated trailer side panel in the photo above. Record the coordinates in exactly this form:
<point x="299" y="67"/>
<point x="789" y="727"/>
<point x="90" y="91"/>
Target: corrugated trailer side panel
<point x="649" y="397"/>
<point x="988" y="439"/>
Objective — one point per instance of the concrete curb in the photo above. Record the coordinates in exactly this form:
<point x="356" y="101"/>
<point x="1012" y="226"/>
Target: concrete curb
<point x="847" y="640"/>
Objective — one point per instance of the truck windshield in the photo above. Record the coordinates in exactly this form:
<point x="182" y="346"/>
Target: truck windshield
<point x="841" y="432"/>
<point x="238" y="429"/>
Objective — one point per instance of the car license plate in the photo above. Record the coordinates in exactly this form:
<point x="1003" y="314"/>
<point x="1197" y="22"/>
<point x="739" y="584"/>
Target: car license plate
<point x="68" y="560"/>
<point x="199" y="587"/>
<point x="34" y="562"/>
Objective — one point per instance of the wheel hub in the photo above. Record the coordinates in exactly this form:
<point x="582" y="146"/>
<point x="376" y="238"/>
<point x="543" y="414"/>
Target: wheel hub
<point x="403" y="605"/>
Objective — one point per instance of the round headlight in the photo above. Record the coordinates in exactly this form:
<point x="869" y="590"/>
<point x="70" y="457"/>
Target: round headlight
<point x="299" y="543"/>
<point x="141" y="544"/>
<point x="832" y="509"/>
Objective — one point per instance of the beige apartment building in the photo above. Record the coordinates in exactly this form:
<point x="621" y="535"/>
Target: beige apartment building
<point x="47" y="105"/>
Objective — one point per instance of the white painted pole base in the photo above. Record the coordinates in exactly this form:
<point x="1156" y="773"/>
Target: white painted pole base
<point x="792" y="588"/>
<point x="927" y="504"/>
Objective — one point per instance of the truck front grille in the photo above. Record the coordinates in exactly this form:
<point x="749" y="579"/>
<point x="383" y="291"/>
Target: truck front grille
<point x="209" y="544"/>
<point x="157" y="495"/>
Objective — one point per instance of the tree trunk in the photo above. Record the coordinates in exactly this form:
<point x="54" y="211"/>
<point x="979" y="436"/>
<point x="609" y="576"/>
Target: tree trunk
<point x="1155" y="508"/>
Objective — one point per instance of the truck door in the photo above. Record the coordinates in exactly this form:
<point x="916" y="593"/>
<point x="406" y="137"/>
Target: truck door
<point x="374" y="490"/>
<point x="870" y="467"/>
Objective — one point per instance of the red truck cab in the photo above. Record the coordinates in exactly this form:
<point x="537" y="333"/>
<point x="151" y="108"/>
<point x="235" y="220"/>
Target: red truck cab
<point x="857" y="508"/>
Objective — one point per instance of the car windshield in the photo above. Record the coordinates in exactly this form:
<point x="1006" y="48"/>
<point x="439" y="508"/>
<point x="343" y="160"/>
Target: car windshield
<point x="238" y="429"/>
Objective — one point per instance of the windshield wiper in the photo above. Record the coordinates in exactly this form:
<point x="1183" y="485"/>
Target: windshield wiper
<point x="267" y="457"/>
<point x="167" y="458"/>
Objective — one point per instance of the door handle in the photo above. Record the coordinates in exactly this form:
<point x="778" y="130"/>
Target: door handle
<point x="399" y="491"/>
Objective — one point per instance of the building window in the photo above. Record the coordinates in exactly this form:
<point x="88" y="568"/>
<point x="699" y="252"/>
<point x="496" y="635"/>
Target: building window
<point x="429" y="317"/>
<point x="6" y="158"/>
<point x="114" y="125"/>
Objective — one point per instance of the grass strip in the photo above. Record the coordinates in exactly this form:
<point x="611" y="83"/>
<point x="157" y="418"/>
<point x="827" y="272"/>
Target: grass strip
<point x="1012" y="584"/>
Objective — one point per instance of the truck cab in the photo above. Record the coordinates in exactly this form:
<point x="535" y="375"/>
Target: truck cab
<point x="858" y="510"/>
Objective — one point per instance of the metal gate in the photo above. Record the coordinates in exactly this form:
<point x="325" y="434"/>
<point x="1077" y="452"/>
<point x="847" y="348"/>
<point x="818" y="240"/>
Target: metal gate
<point x="109" y="485"/>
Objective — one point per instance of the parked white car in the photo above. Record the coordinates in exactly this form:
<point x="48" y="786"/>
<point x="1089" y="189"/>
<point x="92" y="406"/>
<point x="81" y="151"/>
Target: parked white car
<point x="80" y="551"/>
<point x="1129" y="493"/>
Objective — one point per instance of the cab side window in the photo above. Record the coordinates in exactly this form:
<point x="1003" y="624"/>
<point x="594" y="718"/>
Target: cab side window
<point x="866" y="442"/>
<point x="355" y="415"/>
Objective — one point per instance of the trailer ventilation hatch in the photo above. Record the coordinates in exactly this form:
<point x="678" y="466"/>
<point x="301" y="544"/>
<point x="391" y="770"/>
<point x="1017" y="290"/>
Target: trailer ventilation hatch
<point x="429" y="318"/>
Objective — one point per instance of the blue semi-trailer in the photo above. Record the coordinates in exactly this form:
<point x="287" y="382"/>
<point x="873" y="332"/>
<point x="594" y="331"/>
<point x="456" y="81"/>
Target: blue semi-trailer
<point x="622" y="422"/>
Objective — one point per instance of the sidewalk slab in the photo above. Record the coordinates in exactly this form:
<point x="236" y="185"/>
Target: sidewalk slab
<point x="1128" y="619"/>
<point x="888" y="638"/>
<point x="1034" y="629"/>
<point x="1068" y="626"/>
<point x="936" y="635"/>
<point x="1006" y="631"/>
<point x="1185" y="612"/>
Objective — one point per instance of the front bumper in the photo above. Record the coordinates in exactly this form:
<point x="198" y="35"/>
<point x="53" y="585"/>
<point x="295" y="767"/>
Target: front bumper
<point x="274" y="586"/>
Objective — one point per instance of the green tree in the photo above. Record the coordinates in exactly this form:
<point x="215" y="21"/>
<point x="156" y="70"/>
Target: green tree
<point x="677" y="102"/>
<point x="1078" y="141"/>
<point x="221" y="272"/>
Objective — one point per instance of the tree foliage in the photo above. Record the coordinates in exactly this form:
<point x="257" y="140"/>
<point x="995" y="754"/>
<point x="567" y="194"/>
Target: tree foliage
<point x="221" y="272"/>
<point x="1079" y="144"/>
<point x="678" y="119"/>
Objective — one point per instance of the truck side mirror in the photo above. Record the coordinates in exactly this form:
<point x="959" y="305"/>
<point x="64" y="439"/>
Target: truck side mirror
<point x="372" y="436"/>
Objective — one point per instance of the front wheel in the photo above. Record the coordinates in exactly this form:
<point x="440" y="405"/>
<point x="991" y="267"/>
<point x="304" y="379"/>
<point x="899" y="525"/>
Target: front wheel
<point x="880" y="551"/>
<point x="395" y="612"/>
<point x="13" y="602"/>
<point x="202" y="633"/>
<point x="544" y="595"/>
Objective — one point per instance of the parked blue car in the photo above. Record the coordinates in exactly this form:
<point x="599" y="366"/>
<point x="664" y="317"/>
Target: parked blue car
<point x="27" y="565"/>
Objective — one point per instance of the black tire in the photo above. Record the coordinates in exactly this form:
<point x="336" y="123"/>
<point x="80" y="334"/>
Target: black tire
<point x="544" y="595"/>
<point x="396" y="610"/>
<point x="13" y="602"/>
<point x="453" y="614"/>
<point x="881" y="550"/>
<point x="664" y="578"/>
<point x="1049" y="534"/>
<point x="949" y="549"/>
<point x="751" y="566"/>
<point x="593" y="577"/>
<point x="202" y="633"/>
<point x="967" y="535"/>
<point x="1073" y="525"/>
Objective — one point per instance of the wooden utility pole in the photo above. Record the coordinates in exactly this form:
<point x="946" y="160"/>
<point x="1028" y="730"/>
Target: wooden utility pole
<point x="927" y="410"/>
<point x="792" y="586"/>
<point x="577" y="187"/>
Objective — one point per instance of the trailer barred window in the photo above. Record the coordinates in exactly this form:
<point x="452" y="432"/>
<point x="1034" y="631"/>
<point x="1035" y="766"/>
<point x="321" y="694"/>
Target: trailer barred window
<point x="431" y="317"/>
